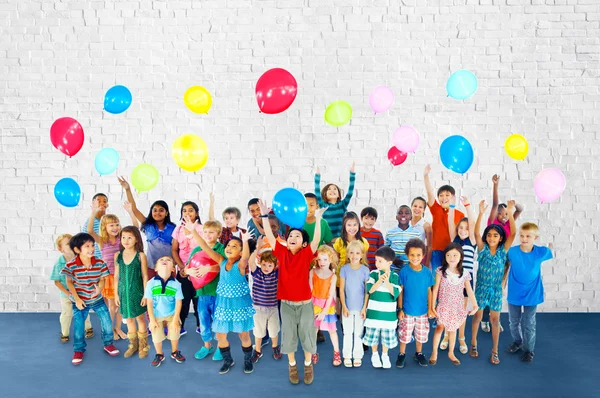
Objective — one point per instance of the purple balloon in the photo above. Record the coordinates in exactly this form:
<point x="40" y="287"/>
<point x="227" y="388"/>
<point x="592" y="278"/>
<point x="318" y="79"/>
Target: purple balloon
<point x="381" y="99"/>
<point x="549" y="184"/>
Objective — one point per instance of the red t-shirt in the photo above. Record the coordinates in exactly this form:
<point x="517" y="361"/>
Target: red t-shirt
<point x="439" y="226"/>
<point x="293" y="273"/>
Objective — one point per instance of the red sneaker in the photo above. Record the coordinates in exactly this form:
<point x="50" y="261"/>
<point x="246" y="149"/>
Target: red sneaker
<point x="111" y="350"/>
<point x="77" y="358"/>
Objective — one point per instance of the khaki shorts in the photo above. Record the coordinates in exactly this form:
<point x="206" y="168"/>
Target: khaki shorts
<point x="158" y="333"/>
<point x="266" y="318"/>
<point x="297" y="322"/>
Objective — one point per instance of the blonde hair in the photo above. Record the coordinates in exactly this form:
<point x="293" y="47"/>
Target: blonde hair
<point x="529" y="226"/>
<point x="104" y="221"/>
<point x="358" y="244"/>
<point x="212" y="224"/>
<point x="60" y="238"/>
<point x="332" y="254"/>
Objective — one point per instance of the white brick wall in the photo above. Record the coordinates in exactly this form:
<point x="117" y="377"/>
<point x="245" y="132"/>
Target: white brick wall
<point x="537" y="62"/>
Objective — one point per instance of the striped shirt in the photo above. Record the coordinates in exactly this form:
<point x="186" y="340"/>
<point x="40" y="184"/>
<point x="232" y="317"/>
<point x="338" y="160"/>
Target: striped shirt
<point x="381" y="309"/>
<point x="396" y="238"/>
<point x="108" y="254"/>
<point x="375" y="239"/>
<point x="97" y="252"/>
<point x="264" y="288"/>
<point x="335" y="212"/>
<point x="469" y="251"/>
<point x="86" y="278"/>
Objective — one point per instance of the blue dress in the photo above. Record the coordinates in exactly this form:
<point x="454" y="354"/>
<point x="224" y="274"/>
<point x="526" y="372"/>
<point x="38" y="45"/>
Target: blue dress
<point x="488" y="290"/>
<point x="233" y="309"/>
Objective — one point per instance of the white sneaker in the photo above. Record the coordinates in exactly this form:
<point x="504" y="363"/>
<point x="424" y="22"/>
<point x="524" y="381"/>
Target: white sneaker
<point x="385" y="359"/>
<point x="376" y="361"/>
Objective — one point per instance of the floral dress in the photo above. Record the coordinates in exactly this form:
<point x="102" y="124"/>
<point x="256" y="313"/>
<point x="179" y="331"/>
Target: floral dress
<point x="451" y="302"/>
<point x="488" y="289"/>
<point x="233" y="308"/>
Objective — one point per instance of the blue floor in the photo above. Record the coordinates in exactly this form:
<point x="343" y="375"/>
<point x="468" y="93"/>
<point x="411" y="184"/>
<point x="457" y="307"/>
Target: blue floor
<point x="33" y="363"/>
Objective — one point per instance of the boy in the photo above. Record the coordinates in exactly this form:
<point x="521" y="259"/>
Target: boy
<point x="368" y="217"/>
<point x="415" y="302"/>
<point x="86" y="276"/>
<point x="100" y="202"/>
<point x="397" y="237"/>
<point x="255" y="223"/>
<point x="164" y="297"/>
<point x="382" y="290"/>
<point x="439" y="211"/>
<point x="309" y="226"/>
<point x="231" y="217"/>
<point x="66" y="313"/>
<point x="297" y="313"/>
<point x="525" y="289"/>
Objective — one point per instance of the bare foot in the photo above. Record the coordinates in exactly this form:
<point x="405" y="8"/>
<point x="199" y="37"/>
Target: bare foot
<point x="453" y="359"/>
<point x="121" y="333"/>
<point x="432" y="360"/>
<point x="115" y="336"/>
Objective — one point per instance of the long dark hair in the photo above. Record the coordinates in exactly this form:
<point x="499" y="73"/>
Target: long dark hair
<point x="139" y="243"/>
<point x="459" y="267"/>
<point x="195" y="206"/>
<point x="498" y="229"/>
<point x="350" y="215"/>
<point x="150" y="221"/>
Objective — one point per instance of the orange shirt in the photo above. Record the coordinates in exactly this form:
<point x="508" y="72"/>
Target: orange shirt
<point x="441" y="235"/>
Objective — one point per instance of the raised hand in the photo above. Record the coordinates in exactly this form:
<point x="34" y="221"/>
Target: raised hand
<point x="319" y="213"/>
<point x="95" y="207"/>
<point x="465" y="200"/>
<point x="128" y="207"/>
<point x="260" y="243"/>
<point x="211" y="197"/>
<point x="188" y="224"/>
<point x="263" y="207"/>
<point x="353" y="167"/>
<point x="495" y="179"/>
<point x="427" y="170"/>
<point x="317" y="170"/>
<point x="482" y="206"/>
<point x="124" y="183"/>
<point x="511" y="204"/>
<point x="246" y="236"/>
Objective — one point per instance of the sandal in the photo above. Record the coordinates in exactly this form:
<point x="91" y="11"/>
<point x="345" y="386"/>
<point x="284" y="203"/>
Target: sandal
<point x="474" y="353"/>
<point x="89" y="333"/>
<point x="64" y="339"/>
<point x="432" y="361"/>
<point x="357" y="363"/>
<point x="347" y="362"/>
<point x="494" y="360"/>
<point x="116" y="335"/>
<point x="444" y="343"/>
<point x="337" y="358"/>
<point x="464" y="348"/>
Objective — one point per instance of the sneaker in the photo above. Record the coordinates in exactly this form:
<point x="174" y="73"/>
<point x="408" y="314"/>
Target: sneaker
<point x="294" y="377"/>
<point x="265" y="342"/>
<point x="376" y="361"/>
<point x="204" y="352"/>
<point x="178" y="357"/>
<point x="158" y="358"/>
<point x="513" y="347"/>
<point x="277" y="353"/>
<point x="527" y="357"/>
<point x="111" y="350"/>
<point x="385" y="361"/>
<point x="420" y="358"/>
<point x="309" y="374"/>
<point x="77" y="358"/>
<point x="198" y="330"/>
<point x="218" y="356"/>
<point x="182" y="332"/>
<point x="256" y="355"/>
<point x="400" y="361"/>
<point x="485" y="326"/>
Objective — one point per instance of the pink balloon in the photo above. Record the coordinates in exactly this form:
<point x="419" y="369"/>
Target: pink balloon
<point x="396" y="157"/>
<point x="381" y="99"/>
<point x="66" y="134"/>
<point x="549" y="184"/>
<point x="406" y="139"/>
<point x="201" y="259"/>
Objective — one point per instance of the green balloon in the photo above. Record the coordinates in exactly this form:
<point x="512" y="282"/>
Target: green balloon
<point x="338" y="113"/>
<point x="144" y="177"/>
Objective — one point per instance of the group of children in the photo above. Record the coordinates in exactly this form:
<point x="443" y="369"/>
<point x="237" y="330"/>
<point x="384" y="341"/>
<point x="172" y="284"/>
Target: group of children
<point x="271" y="278"/>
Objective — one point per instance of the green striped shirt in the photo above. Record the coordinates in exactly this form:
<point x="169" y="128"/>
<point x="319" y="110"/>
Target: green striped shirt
<point x="381" y="310"/>
<point x="335" y="212"/>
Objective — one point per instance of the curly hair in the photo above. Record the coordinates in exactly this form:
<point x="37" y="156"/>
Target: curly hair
<point x="332" y="254"/>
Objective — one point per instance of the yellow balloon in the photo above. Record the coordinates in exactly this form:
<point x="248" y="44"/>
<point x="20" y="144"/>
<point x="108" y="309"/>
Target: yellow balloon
<point x="190" y="152"/>
<point x="197" y="99"/>
<point x="516" y="146"/>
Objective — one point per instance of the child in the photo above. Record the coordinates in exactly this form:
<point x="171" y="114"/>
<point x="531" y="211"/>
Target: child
<point x="415" y="302"/>
<point x="331" y="196"/>
<point x="255" y="223"/>
<point x="100" y="203"/>
<point x="368" y="216"/>
<point x="264" y="295"/>
<point x="322" y="281"/>
<point x="350" y="232"/>
<point x="451" y="312"/>
<point x="491" y="274"/>
<point x="525" y="289"/>
<point x="418" y="222"/>
<point x="383" y="290"/>
<point x="231" y="218"/>
<point x="397" y="237"/>
<point x="297" y="314"/>
<point x="164" y="297"/>
<point x="66" y="303"/>
<point x="233" y="307"/>
<point x="85" y="278"/>
<point x="309" y="226"/>
<point x="439" y="211"/>
<point x="353" y="277"/>
<point x="131" y="276"/>
<point x="181" y="248"/>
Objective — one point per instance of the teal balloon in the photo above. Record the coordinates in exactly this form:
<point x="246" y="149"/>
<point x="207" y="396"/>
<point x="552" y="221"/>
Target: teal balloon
<point x="106" y="161"/>
<point x="117" y="99"/>
<point x="289" y="205"/>
<point x="67" y="192"/>
<point x="457" y="154"/>
<point x="461" y="85"/>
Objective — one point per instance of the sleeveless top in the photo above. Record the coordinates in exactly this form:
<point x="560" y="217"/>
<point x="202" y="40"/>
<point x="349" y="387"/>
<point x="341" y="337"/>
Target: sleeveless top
<point x="321" y="287"/>
<point x="108" y="254"/>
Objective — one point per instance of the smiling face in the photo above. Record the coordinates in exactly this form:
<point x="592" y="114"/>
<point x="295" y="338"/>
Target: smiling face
<point x="355" y="255"/>
<point x="65" y="249"/>
<point x="351" y="227"/>
<point x="332" y="194"/>
<point x="403" y="216"/>
<point x="493" y="238"/>
<point x="418" y="208"/>
<point x="453" y="258"/>
<point x="312" y="206"/>
<point x="159" y="213"/>
<point x="274" y="224"/>
<point x="502" y="214"/>
<point x="368" y="222"/>
<point x="415" y="256"/>
<point x="113" y="228"/>
<point x="128" y="240"/>
<point x="463" y="230"/>
<point x="255" y="212"/>
<point x="295" y="241"/>
<point x="444" y="198"/>
<point x="231" y="221"/>
<point x="86" y="251"/>
<point x="102" y="203"/>
<point x="233" y="250"/>
<point x="189" y="211"/>
<point x="527" y="238"/>
<point x="211" y="235"/>
<point x="165" y="267"/>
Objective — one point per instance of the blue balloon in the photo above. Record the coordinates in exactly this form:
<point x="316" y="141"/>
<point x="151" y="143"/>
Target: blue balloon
<point x="67" y="192"/>
<point x="456" y="154"/>
<point x="290" y="207"/>
<point x="117" y="99"/>
<point x="106" y="161"/>
<point x="461" y="85"/>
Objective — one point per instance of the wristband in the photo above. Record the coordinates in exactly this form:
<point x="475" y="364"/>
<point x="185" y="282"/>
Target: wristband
<point x="264" y="216"/>
<point x="467" y="205"/>
<point x="452" y="206"/>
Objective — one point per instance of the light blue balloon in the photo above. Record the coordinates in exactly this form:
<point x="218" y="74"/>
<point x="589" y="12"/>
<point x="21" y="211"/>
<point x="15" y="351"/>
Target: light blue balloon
<point x="290" y="207"/>
<point x="117" y="99"/>
<point x="67" y="192"/>
<point x="456" y="154"/>
<point x="461" y="85"/>
<point x="106" y="161"/>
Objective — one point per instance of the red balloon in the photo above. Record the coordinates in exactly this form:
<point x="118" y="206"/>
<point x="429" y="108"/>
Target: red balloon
<point x="396" y="156"/>
<point x="201" y="259"/>
<point x="66" y="134"/>
<point x="276" y="91"/>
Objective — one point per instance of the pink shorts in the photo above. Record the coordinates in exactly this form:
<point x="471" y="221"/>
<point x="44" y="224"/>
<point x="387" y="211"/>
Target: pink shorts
<point x="418" y="324"/>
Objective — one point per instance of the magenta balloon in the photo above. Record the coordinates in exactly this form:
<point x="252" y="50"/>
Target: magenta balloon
<point x="66" y="134"/>
<point x="549" y="184"/>
<point x="201" y="259"/>
<point x="406" y="139"/>
<point x="396" y="157"/>
<point x="381" y="99"/>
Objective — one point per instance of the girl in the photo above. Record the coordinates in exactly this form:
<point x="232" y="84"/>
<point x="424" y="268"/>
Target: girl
<point x="350" y="232"/>
<point x="131" y="276"/>
<point x="418" y="206"/>
<point x="331" y="197"/>
<point x="182" y="245"/>
<point x="491" y="275"/>
<point x="322" y="280"/>
<point x="353" y="277"/>
<point x="451" y="312"/>
<point x="233" y="308"/>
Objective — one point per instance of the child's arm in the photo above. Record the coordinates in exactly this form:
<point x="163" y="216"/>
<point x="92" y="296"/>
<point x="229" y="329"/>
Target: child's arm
<point x="243" y="263"/>
<point x="345" y="312"/>
<point x="363" y="311"/>
<point x="451" y="225"/>
<point x="401" y="310"/>
<point x="211" y="207"/>
<point x="471" y="216"/>
<point x="518" y="210"/>
<point x="129" y="209"/>
<point x="144" y="261"/>
<point x="175" y="254"/>
<point x="314" y="245"/>
<point x="350" y="186"/>
<point x="176" y="320"/>
<point x="254" y="255"/>
<point x="429" y="237"/>
<point x="471" y="296"/>
<point x="205" y="247"/>
<point x="428" y="187"/>
<point x="78" y="301"/>
<point x="138" y="214"/>
<point x="513" y="227"/>
<point x="310" y="279"/>
<point x="62" y="288"/>
<point x="152" y="324"/>
<point x="90" y="225"/>
<point x="116" y="281"/>
<point x="495" y="200"/>
<point x="478" y="239"/>
<point x="433" y="296"/>
<point x="318" y="188"/>
<point x="271" y="240"/>
<point x="430" y="306"/>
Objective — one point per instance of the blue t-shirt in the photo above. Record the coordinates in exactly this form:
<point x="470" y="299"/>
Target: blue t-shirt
<point x="415" y="285"/>
<point x="525" y="276"/>
<point x="164" y="295"/>
<point x="354" y="286"/>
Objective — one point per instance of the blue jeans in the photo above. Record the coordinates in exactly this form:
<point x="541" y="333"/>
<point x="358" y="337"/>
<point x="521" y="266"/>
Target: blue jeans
<point x="79" y="316"/>
<point x="436" y="259"/>
<point x="522" y="325"/>
<point x="206" y="310"/>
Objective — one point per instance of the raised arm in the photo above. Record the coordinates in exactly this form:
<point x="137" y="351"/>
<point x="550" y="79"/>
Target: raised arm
<point x="471" y="216"/>
<point x="129" y="209"/>
<point x="211" y="207"/>
<point x="253" y="257"/>
<point x="136" y="212"/>
<point x="513" y="227"/>
<point x="351" y="185"/>
<point x="478" y="239"/>
<point x="318" y="188"/>
<point x="314" y="245"/>
<point x="495" y="200"/>
<point x="428" y="187"/>
<point x="191" y="226"/>
<point x="243" y="263"/>
<point x="518" y="210"/>
<point x="451" y="225"/>
<point x="264" y="210"/>
<point x="90" y="225"/>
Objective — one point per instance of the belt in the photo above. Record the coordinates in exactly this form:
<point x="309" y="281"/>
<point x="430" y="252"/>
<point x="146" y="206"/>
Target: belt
<point x="297" y="303"/>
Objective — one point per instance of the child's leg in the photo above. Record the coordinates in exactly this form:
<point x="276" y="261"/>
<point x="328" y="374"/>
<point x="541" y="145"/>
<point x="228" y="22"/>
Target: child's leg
<point x="131" y="326"/>
<point x="79" y="343"/>
<point x="245" y="339"/>
<point x="187" y="299"/>
<point x="273" y="327"/>
<point x="103" y="313"/>
<point x="206" y="307"/>
<point x="495" y="322"/>
<point x="357" y="325"/>
<point x="334" y="340"/>
<point x="66" y="316"/>
<point x="451" y="344"/>
<point x="289" y="332"/>
<point x="475" y="327"/>
<point x="461" y="330"/>
<point x="196" y="313"/>
<point x="260" y="327"/>
<point x="158" y="346"/>
<point x="141" y="322"/>
<point x="529" y="324"/>
<point x="349" y="335"/>
<point x="437" y="335"/>
<point x="222" y="340"/>
<point x="514" y="321"/>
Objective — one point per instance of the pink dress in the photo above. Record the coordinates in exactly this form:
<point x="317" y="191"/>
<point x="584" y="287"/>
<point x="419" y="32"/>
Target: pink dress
<point x="187" y="243"/>
<point x="451" y="301"/>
